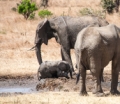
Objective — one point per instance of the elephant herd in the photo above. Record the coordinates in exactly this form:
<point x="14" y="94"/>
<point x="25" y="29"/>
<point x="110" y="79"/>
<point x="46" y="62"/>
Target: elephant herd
<point x="96" y="43"/>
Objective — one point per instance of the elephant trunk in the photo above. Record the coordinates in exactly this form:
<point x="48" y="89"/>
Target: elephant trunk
<point x="38" y="52"/>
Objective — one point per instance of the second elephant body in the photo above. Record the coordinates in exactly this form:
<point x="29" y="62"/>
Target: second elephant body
<point x="95" y="47"/>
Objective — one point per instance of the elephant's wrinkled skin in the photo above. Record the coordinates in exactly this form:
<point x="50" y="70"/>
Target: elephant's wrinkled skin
<point x="64" y="30"/>
<point x="95" y="47"/>
<point x="54" y="69"/>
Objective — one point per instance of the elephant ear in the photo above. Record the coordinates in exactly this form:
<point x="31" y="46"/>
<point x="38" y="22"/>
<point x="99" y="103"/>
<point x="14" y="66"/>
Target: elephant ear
<point x="41" y="32"/>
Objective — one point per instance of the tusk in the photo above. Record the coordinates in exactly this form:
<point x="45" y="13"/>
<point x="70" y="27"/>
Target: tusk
<point x="32" y="49"/>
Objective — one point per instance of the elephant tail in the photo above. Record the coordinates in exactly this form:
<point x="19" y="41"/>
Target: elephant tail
<point x="71" y="73"/>
<point x="77" y="77"/>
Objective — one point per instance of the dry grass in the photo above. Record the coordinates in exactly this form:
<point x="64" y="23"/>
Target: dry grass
<point x="73" y="3"/>
<point x="58" y="98"/>
<point x="17" y="36"/>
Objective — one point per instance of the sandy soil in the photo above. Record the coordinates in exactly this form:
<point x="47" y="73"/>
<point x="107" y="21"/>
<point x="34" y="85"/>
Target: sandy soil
<point x="18" y="66"/>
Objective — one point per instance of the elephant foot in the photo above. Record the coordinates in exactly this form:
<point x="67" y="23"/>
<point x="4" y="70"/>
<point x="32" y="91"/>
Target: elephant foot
<point x="99" y="94"/>
<point x="115" y="92"/>
<point x="95" y="91"/>
<point x="83" y="93"/>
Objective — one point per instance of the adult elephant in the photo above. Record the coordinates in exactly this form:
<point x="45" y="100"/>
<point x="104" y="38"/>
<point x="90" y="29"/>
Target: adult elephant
<point x="95" y="47"/>
<point x="64" y="30"/>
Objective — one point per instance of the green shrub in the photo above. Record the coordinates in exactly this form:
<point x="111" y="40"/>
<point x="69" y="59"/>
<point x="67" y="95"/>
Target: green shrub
<point x="26" y="7"/>
<point x="32" y="16"/>
<point x="108" y="5"/>
<point x="89" y="11"/>
<point x="44" y="13"/>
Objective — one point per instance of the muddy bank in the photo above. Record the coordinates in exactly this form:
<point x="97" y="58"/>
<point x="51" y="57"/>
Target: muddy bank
<point x="30" y="84"/>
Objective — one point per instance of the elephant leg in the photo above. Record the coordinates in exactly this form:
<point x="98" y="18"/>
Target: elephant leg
<point x="96" y="70"/>
<point x="62" y="55"/>
<point x="115" y="74"/>
<point x="102" y="79"/>
<point x="83" y="82"/>
<point x="66" y="56"/>
<point x="97" y="73"/>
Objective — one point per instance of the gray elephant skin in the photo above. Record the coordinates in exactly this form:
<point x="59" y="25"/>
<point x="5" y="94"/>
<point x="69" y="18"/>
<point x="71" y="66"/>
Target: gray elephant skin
<point x="54" y="69"/>
<point x="64" y="30"/>
<point x="95" y="47"/>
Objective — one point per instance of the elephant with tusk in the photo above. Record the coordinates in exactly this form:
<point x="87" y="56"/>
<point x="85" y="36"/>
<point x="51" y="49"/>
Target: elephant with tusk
<point x="64" y="29"/>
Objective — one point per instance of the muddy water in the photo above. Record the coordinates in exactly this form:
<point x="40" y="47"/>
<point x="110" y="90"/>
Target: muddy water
<point x="21" y="84"/>
<point x="17" y="90"/>
<point x="32" y="85"/>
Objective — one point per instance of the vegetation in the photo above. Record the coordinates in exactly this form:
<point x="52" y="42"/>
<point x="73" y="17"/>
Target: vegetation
<point x="26" y="8"/>
<point x="108" y="5"/>
<point x="44" y="13"/>
<point x="32" y="15"/>
<point x="89" y="11"/>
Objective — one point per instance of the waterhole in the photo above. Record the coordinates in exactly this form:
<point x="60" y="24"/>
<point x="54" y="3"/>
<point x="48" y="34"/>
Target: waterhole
<point x="17" y="90"/>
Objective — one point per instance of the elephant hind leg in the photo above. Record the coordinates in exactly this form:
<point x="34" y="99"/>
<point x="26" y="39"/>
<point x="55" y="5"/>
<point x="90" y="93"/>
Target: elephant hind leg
<point x="102" y="78"/>
<point x="96" y="70"/>
<point x="115" y="75"/>
<point x="97" y="87"/>
<point x="83" y="91"/>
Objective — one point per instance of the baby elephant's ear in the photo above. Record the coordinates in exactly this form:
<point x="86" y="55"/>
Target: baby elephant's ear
<point x="41" y="32"/>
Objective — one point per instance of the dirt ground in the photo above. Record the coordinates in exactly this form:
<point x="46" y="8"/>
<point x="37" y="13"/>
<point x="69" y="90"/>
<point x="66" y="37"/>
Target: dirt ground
<point x="18" y="66"/>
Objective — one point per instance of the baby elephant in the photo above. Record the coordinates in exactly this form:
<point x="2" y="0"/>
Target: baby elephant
<point x="54" y="69"/>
